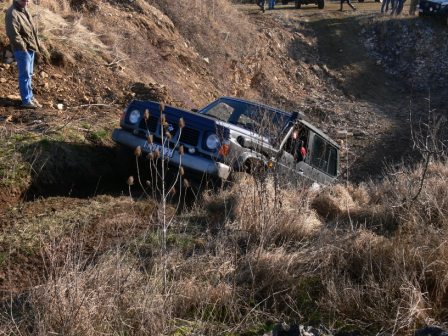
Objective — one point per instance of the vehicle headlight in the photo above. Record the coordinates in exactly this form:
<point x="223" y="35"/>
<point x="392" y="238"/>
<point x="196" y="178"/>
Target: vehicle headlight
<point x="212" y="141"/>
<point x="134" y="116"/>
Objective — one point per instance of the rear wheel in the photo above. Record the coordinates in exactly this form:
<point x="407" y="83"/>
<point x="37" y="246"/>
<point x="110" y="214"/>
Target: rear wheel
<point x="298" y="4"/>
<point x="320" y="4"/>
<point x="256" y="168"/>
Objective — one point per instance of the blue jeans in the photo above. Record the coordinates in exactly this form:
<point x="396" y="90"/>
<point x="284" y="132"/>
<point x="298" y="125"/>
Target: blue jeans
<point x="397" y="7"/>
<point x="271" y="4"/>
<point x="25" y="65"/>
<point x="385" y="6"/>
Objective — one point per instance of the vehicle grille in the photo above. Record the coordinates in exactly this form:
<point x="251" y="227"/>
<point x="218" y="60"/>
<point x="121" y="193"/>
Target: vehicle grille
<point x="189" y="136"/>
<point x="150" y="124"/>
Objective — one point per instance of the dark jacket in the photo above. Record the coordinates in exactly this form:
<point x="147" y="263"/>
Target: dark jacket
<point x="20" y="29"/>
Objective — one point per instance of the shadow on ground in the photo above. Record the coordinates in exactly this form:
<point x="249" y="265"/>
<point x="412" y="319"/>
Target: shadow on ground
<point x="84" y="171"/>
<point x="73" y="170"/>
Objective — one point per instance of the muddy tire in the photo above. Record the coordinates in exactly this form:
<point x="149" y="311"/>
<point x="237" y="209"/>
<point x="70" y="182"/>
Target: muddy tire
<point x="320" y="4"/>
<point x="298" y="4"/>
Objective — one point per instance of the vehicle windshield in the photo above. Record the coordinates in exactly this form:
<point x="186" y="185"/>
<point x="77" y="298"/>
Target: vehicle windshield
<point x="264" y="120"/>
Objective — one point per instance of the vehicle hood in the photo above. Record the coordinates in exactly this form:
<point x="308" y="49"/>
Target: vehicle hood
<point x="191" y="119"/>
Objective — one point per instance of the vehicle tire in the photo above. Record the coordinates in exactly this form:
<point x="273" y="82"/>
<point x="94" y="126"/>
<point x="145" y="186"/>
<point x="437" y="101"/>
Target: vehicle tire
<point x="256" y="168"/>
<point x="298" y="4"/>
<point x="320" y="4"/>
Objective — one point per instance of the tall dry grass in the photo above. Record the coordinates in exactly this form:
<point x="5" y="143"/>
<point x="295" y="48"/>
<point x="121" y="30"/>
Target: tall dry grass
<point x="257" y="254"/>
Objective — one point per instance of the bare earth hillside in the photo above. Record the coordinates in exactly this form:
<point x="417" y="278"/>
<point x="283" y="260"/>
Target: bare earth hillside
<point x="364" y="78"/>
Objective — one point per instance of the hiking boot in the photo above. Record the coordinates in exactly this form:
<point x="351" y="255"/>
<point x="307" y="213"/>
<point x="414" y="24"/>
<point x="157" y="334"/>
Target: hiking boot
<point x="29" y="105"/>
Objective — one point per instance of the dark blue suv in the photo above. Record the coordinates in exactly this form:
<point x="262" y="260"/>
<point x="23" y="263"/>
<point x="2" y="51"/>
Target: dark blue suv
<point x="437" y="8"/>
<point x="230" y="135"/>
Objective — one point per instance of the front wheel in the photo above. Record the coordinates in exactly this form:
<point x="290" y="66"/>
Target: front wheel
<point x="298" y="4"/>
<point x="320" y="4"/>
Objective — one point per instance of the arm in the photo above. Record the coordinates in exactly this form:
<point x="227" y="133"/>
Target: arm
<point x="13" y="32"/>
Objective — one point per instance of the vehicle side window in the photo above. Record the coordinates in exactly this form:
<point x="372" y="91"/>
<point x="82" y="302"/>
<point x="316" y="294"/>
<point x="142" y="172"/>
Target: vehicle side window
<point x="324" y="156"/>
<point x="333" y="162"/>
<point x="318" y="158"/>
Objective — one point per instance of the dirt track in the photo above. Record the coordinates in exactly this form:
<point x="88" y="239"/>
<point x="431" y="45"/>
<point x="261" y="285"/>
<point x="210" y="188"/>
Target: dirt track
<point x="368" y="103"/>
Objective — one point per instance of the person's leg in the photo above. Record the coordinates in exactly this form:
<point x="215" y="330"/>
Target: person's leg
<point x="30" y="74"/>
<point x="342" y="1"/>
<point x="23" y="60"/>
<point x="398" y="7"/>
<point x="351" y="5"/>
<point x="393" y="4"/>
<point x="413" y="7"/>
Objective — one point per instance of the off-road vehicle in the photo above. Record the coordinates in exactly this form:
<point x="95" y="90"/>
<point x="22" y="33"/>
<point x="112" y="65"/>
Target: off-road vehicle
<point x="435" y="8"/>
<point x="298" y="3"/>
<point x="230" y="135"/>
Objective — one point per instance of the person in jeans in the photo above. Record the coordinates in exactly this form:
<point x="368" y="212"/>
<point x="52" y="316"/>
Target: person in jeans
<point x="349" y="3"/>
<point x="398" y="7"/>
<point x="385" y="6"/>
<point x="25" y="43"/>
<point x="271" y="4"/>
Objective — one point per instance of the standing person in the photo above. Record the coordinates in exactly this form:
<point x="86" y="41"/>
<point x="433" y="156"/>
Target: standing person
<point x="413" y="7"/>
<point x="261" y="4"/>
<point x="271" y="4"/>
<point x="397" y="7"/>
<point x="25" y="43"/>
<point x="349" y="3"/>
<point x="385" y="6"/>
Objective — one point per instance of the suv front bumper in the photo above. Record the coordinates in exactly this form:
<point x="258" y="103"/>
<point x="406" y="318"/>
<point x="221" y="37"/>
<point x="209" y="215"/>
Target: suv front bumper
<point x="194" y="162"/>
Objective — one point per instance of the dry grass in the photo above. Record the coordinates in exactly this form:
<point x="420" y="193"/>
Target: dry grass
<point x="260" y="259"/>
